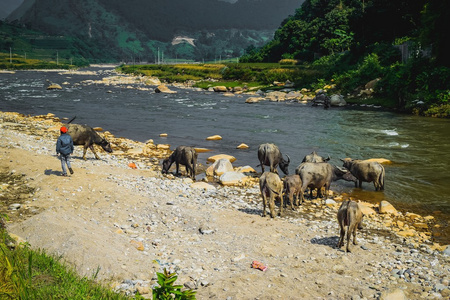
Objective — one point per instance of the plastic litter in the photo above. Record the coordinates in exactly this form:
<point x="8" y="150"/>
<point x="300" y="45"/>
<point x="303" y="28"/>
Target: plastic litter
<point x="258" y="265"/>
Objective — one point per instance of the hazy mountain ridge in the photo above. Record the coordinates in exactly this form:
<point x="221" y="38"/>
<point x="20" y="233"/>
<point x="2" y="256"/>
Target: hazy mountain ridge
<point x="8" y="6"/>
<point x="139" y="27"/>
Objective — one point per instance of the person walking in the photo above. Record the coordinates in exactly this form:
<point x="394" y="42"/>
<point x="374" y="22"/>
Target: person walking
<point x="64" y="147"/>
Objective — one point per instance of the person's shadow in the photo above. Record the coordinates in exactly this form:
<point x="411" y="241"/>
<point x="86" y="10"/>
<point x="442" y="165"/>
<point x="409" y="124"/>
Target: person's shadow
<point x="49" y="172"/>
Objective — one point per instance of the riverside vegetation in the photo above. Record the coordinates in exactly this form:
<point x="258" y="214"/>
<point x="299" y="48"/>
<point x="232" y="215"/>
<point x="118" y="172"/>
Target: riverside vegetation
<point x="121" y="226"/>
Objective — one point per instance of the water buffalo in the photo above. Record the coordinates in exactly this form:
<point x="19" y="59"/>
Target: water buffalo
<point x="318" y="175"/>
<point x="87" y="137"/>
<point x="349" y="216"/>
<point x="292" y="186"/>
<point x="184" y="155"/>
<point x="367" y="171"/>
<point x="270" y="155"/>
<point x="271" y="186"/>
<point x="314" y="157"/>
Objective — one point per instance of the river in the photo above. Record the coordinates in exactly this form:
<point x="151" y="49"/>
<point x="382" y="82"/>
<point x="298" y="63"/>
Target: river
<point x="417" y="181"/>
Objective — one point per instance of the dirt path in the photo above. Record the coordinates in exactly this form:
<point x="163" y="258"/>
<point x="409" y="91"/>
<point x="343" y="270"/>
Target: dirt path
<point x="129" y="223"/>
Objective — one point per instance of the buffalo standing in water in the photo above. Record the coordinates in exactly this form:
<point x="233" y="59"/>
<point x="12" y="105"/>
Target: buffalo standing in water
<point x="367" y="171"/>
<point x="182" y="155"/>
<point x="316" y="158"/>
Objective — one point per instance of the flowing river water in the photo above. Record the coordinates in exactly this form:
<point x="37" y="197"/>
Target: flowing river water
<point x="418" y="180"/>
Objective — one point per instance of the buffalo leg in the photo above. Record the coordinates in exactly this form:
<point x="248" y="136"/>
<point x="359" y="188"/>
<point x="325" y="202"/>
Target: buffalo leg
<point x="272" y="205"/>
<point x="354" y="234"/>
<point x="93" y="151"/>
<point x="296" y="198"/>
<point x="281" y="205"/>
<point x="291" y="199"/>
<point x="188" y="171"/>
<point x="341" y="237"/>
<point x="264" y="204"/>
<point x="84" y="152"/>
<point x="178" y="167"/>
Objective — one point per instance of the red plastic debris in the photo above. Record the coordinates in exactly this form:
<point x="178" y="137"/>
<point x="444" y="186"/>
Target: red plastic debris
<point x="258" y="265"/>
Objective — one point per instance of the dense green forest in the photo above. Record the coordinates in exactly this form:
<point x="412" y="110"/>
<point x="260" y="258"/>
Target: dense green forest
<point x="404" y="43"/>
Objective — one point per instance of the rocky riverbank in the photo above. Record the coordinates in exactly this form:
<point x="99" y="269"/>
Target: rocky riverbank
<point x="130" y="222"/>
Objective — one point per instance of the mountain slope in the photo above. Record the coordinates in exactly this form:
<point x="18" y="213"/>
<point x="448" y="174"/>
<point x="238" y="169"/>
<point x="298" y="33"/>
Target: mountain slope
<point x="138" y="28"/>
<point x="8" y="6"/>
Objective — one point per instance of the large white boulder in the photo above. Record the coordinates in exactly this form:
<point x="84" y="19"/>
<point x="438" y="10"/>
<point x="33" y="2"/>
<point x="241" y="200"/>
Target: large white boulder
<point x="220" y="167"/>
<point x="232" y="178"/>
<point x="337" y="100"/>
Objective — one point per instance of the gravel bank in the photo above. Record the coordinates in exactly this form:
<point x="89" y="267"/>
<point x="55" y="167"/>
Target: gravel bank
<point x="129" y="223"/>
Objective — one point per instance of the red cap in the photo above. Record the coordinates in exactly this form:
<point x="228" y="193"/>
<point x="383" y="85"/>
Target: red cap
<point x="63" y="129"/>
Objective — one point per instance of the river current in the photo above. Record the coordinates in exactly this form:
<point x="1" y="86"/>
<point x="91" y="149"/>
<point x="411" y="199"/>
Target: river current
<point x="417" y="181"/>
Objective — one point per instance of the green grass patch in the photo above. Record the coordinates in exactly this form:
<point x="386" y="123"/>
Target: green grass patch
<point x="15" y="62"/>
<point x="230" y="75"/>
<point x="28" y="274"/>
<point x="229" y="84"/>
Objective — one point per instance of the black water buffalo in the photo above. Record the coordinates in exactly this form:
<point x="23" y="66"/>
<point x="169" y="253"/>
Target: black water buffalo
<point x="314" y="157"/>
<point x="292" y="186"/>
<point x="271" y="187"/>
<point x="184" y="155"/>
<point x="87" y="137"/>
<point x="349" y="218"/>
<point x="366" y="170"/>
<point x="270" y="155"/>
<point x="318" y="175"/>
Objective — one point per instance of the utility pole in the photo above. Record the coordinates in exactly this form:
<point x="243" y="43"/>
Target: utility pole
<point x="158" y="56"/>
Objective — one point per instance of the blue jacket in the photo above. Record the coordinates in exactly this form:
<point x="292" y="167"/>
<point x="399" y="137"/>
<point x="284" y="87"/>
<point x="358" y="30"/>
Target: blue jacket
<point x="64" y="144"/>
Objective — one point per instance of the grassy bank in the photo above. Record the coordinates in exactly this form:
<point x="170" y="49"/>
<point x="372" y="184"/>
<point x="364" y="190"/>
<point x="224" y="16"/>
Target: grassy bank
<point x="28" y="274"/>
<point x="15" y="62"/>
<point x="228" y="74"/>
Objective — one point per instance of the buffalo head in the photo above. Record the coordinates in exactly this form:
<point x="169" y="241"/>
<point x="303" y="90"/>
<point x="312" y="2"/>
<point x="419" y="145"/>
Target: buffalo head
<point x="284" y="165"/>
<point x="345" y="174"/>
<point x="106" y="145"/>
<point x="166" y="165"/>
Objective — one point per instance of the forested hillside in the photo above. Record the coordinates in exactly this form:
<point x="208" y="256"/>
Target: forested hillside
<point x="403" y="43"/>
<point x="134" y="30"/>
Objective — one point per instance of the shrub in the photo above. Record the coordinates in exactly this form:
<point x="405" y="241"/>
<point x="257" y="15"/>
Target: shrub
<point x="168" y="291"/>
<point x="439" y="111"/>
<point x="288" y="61"/>
<point x="368" y="70"/>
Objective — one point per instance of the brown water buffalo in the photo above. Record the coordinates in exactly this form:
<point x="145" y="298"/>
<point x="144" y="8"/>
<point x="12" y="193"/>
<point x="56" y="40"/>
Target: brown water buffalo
<point x="184" y="155"/>
<point x="318" y="175"/>
<point x="367" y="171"/>
<point x="349" y="218"/>
<point x="314" y="157"/>
<point x="271" y="187"/>
<point x="292" y="186"/>
<point x="87" y="137"/>
<point x="270" y="155"/>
